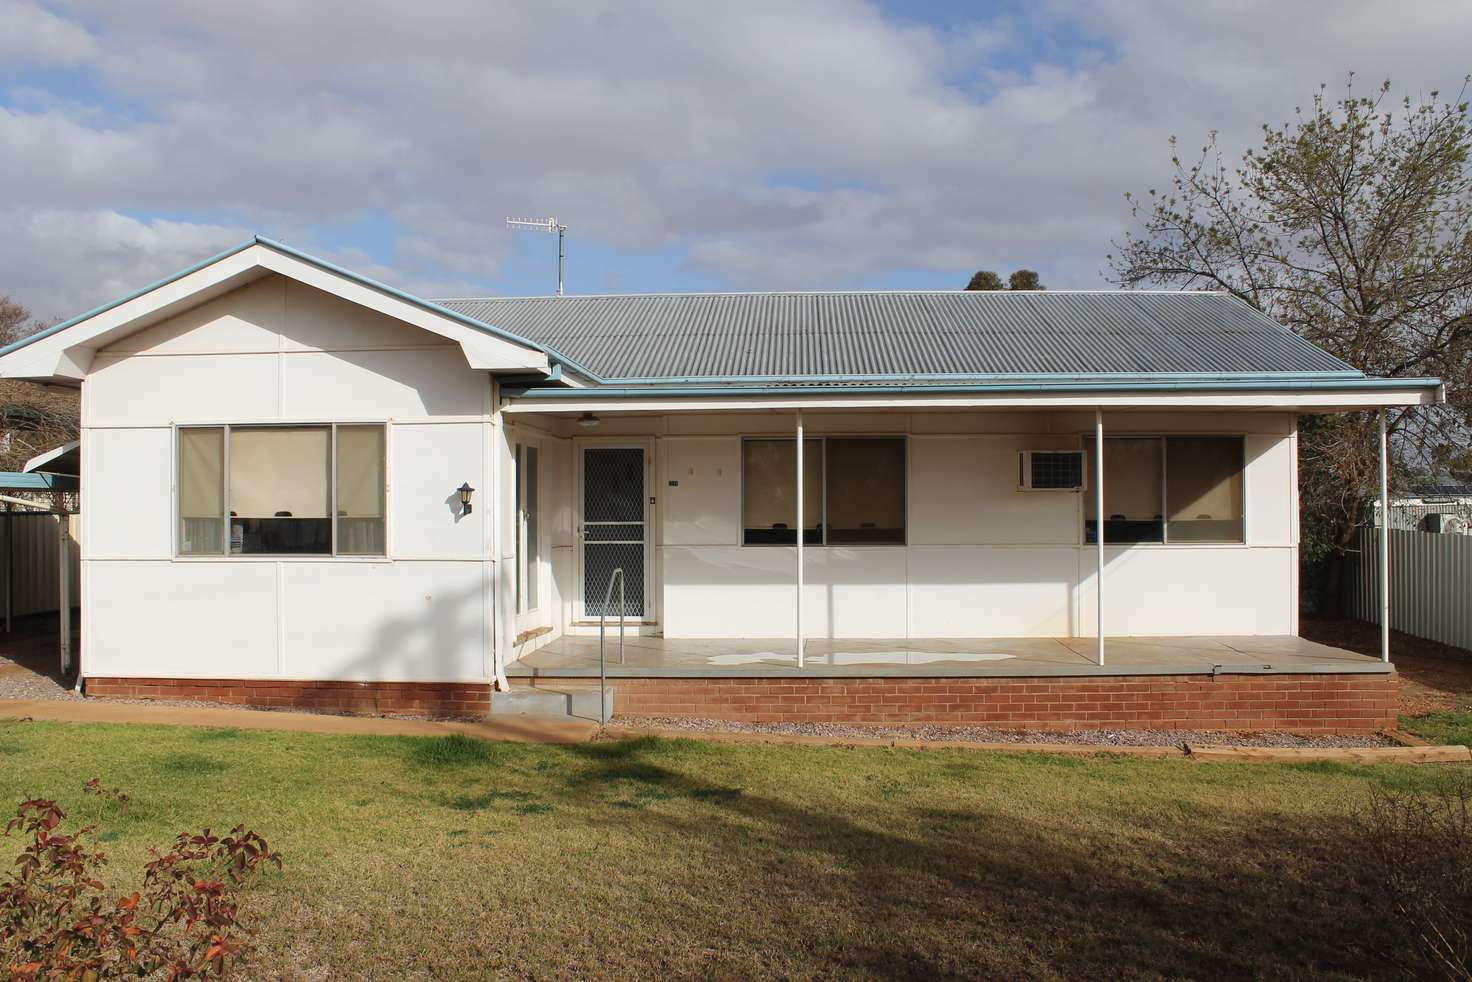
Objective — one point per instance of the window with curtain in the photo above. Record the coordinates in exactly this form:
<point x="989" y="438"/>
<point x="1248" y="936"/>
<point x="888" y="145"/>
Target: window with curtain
<point x="1134" y="490"/>
<point x="202" y="491"/>
<point x="769" y="492"/>
<point x="1204" y="493"/>
<point x="360" y="490"/>
<point x="865" y="484"/>
<point x="853" y="491"/>
<point x="270" y="490"/>
<point x="1168" y="489"/>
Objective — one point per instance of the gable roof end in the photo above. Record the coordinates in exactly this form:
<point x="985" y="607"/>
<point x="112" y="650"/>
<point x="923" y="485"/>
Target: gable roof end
<point x="65" y="350"/>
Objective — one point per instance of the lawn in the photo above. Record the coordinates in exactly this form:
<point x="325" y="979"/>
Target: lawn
<point x="418" y="857"/>
<point x="1441" y="726"/>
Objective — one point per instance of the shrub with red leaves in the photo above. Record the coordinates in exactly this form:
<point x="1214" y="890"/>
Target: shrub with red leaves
<point x="56" y="921"/>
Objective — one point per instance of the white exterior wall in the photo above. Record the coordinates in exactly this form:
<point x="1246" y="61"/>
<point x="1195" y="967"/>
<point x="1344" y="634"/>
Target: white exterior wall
<point x="279" y="351"/>
<point x="983" y="559"/>
<point x="554" y="570"/>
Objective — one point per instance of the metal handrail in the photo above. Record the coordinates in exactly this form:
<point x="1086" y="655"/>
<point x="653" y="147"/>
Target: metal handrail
<point x="618" y="574"/>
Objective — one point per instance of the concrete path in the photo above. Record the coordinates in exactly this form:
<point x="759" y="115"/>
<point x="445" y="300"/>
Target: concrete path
<point x="518" y="729"/>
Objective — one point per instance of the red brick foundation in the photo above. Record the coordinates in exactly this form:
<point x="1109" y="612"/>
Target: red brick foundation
<point x="386" y="698"/>
<point x="1310" y="703"/>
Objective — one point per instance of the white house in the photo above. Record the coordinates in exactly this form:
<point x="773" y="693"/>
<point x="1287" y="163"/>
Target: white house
<point x="303" y="487"/>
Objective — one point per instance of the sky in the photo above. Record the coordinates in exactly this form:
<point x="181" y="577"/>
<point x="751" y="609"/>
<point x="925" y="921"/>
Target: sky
<point x="688" y="146"/>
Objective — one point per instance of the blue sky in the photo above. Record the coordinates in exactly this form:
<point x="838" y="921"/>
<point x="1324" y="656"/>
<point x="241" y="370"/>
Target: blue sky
<point x="766" y="145"/>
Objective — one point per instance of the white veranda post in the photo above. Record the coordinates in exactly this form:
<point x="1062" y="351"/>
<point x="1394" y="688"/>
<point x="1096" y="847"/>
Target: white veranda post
<point x="800" y="527"/>
<point x="64" y="584"/>
<point x="1384" y="542"/>
<point x="1099" y="525"/>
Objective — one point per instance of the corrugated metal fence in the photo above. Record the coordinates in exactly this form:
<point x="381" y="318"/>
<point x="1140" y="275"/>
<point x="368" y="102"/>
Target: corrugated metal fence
<point x="1410" y="517"/>
<point x="1430" y="584"/>
<point x="28" y="558"/>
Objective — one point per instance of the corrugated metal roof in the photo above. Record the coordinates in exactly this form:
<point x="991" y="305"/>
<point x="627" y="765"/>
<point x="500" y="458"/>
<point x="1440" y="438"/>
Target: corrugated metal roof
<point x="807" y="336"/>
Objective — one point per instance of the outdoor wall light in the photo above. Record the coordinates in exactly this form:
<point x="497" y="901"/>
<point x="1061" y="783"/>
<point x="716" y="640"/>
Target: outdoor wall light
<point x="465" y="492"/>
<point x="588" y="420"/>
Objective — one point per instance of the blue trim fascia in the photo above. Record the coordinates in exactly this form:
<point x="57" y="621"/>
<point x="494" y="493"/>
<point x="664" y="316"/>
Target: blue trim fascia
<point x="57" y="328"/>
<point x="24" y="481"/>
<point x="1249" y="384"/>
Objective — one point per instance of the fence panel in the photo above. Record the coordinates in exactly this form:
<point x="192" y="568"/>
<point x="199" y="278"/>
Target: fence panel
<point x="28" y="558"/>
<point x="1430" y="583"/>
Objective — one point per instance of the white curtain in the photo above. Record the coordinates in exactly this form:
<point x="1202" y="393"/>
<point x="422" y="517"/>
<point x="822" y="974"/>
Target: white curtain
<point x="360" y="471"/>
<point x="279" y="469"/>
<point x="201" y="472"/>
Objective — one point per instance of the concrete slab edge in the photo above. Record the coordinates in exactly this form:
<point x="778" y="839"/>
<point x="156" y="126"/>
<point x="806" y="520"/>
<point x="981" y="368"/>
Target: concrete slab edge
<point x="924" y="671"/>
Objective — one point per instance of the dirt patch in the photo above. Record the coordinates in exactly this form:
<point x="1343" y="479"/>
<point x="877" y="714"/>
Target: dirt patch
<point x="1433" y="676"/>
<point x="30" y="660"/>
<point x="984" y="734"/>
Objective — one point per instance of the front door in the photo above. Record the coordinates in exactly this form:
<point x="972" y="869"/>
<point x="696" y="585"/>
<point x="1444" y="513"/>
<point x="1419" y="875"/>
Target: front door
<point x="613" y="530"/>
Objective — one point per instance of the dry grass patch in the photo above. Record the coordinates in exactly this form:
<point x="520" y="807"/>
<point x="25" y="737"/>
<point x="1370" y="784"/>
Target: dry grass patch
<point x="413" y="857"/>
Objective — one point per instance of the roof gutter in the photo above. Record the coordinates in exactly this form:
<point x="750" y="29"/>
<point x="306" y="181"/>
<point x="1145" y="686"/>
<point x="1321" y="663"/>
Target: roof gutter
<point x="964" y="378"/>
<point x="1255" y="384"/>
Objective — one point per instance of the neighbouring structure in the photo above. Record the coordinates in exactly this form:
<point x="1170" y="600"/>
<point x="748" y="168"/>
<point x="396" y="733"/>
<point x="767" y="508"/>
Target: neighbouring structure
<point x="302" y="487"/>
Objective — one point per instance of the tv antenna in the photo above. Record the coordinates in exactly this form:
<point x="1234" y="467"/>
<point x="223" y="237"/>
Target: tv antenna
<point x="545" y="225"/>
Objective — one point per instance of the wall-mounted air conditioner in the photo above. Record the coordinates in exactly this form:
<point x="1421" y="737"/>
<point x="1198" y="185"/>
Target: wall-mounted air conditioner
<point x="1444" y="523"/>
<point x="1051" y="470"/>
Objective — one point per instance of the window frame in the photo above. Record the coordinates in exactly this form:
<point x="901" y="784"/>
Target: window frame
<point x="1086" y="441"/>
<point x="334" y="555"/>
<point x="528" y="567"/>
<point x="822" y="440"/>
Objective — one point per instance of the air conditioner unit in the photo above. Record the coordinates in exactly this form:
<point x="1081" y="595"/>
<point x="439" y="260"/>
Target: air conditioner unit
<point x="1051" y="470"/>
<point x="1444" y="523"/>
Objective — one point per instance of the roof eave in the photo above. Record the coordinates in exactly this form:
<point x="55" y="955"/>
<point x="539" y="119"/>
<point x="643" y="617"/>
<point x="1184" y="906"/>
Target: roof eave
<point x="1330" y="394"/>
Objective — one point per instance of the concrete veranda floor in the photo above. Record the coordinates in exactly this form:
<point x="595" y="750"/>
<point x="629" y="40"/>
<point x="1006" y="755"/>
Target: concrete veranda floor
<point x="574" y="656"/>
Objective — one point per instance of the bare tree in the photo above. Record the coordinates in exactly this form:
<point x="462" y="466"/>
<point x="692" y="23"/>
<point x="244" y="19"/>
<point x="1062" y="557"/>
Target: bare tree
<point x="33" y="418"/>
<point x="1352" y="224"/>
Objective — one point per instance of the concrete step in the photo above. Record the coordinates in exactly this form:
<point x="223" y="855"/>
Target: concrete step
<point x="551" y="703"/>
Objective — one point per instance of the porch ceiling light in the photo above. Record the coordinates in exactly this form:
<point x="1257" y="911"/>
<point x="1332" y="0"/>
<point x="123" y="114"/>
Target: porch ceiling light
<point x="588" y="420"/>
<point x="465" y="493"/>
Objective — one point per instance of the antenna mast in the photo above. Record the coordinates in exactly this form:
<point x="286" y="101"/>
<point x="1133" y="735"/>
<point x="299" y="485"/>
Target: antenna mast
<point x="545" y="225"/>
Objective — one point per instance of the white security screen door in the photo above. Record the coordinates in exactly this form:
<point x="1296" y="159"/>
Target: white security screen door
<point x="614" y="532"/>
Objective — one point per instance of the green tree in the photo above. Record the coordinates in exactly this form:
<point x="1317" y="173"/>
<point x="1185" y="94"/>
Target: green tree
<point x="1023" y="279"/>
<point x="1352" y="224"/>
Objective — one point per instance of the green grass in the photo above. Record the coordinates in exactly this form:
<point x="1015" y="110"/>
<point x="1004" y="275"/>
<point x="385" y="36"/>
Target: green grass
<point x="652" y="858"/>
<point x="1443" y="726"/>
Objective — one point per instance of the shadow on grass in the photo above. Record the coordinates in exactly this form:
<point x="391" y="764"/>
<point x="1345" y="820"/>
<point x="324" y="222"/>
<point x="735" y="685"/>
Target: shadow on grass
<point x="951" y="892"/>
<point x="190" y="765"/>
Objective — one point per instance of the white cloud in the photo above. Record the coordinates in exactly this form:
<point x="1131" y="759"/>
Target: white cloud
<point x="776" y="144"/>
<point x="33" y="35"/>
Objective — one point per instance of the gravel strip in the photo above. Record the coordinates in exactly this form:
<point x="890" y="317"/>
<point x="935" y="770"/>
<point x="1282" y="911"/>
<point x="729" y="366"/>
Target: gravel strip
<point x="25" y="684"/>
<point x="983" y="734"/>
